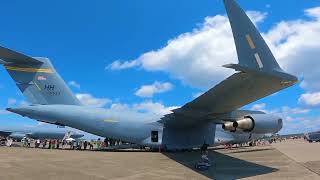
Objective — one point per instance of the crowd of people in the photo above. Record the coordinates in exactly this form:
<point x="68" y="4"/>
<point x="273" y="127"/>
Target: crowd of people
<point x="59" y="144"/>
<point x="65" y="144"/>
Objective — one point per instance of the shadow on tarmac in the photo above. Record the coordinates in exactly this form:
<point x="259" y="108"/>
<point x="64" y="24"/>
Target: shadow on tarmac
<point x="223" y="166"/>
<point x="249" y="150"/>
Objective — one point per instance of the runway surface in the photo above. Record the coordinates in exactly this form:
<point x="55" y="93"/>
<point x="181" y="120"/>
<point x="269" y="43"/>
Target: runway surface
<point x="293" y="159"/>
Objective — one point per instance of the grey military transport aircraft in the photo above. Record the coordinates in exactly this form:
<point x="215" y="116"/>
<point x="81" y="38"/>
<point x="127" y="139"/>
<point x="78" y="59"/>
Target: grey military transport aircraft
<point x="193" y="125"/>
<point x="39" y="133"/>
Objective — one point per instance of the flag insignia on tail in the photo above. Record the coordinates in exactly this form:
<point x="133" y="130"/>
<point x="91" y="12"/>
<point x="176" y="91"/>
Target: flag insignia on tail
<point x="41" y="78"/>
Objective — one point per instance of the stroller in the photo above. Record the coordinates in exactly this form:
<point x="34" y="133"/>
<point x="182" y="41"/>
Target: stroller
<point x="204" y="164"/>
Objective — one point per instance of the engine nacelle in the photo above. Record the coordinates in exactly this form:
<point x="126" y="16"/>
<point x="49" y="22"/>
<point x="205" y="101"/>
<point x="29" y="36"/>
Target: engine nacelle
<point x="255" y="123"/>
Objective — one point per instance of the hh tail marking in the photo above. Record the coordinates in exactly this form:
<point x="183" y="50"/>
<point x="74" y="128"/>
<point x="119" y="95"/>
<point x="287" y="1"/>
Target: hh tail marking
<point x="33" y="70"/>
<point x="250" y="42"/>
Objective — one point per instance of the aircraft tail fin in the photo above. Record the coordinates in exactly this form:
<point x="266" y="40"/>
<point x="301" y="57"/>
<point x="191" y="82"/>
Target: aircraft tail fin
<point x="37" y="79"/>
<point x="253" y="52"/>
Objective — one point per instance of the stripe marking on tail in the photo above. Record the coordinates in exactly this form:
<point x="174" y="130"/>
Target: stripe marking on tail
<point x="256" y="55"/>
<point x="37" y="86"/>
<point x="250" y="42"/>
<point x="33" y="70"/>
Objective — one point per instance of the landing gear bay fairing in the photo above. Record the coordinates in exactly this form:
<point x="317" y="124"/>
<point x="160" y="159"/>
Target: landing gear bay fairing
<point x="193" y="125"/>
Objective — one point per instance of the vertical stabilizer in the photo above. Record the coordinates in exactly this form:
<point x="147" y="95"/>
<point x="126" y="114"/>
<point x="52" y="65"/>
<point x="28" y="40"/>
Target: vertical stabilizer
<point x="37" y="79"/>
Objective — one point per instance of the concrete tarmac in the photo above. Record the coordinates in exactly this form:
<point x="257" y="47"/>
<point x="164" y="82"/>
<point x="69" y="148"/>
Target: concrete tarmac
<point x="293" y="159"/>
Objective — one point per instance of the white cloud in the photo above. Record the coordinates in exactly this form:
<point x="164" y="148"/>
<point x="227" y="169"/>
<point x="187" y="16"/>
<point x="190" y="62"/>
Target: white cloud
<point x="310" y="99"/>
<point x="293" y="111"/>
<point x="296" y="45"/>
<point x="196" y="95"/>
<point x="256" y="16"/>
<point x="74" y="84"/>
<point x="259" y="107"/>
<point x="155" y="88"/>
<point x="196" y="57"/>
<point x="12" y="101"/>
<point x="89" y="100"/>
<point x="4" y="112"/>
<point x="145" y="111"/>
<point x="155" y="108"/>
<point x="293" y="118"/>
<point x="117" y="65"/>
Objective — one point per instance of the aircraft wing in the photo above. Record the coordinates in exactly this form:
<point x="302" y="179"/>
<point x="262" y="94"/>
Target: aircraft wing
<point x="258" y="75"/>
<point x="238" y="90"/>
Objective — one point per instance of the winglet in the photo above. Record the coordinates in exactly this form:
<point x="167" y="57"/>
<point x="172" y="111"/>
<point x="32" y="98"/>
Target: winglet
<point x="252" y="50"/>
<point x="8" y="56"/>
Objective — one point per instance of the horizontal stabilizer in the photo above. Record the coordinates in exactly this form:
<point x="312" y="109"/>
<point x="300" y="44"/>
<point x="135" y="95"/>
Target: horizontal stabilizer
<point x="8" y="56"/>
<point x="285" y="76"/>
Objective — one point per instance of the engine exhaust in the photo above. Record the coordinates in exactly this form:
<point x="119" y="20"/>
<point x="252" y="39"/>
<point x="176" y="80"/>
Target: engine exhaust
<point x="246" y="124"/>
<point x="229" y="126"/>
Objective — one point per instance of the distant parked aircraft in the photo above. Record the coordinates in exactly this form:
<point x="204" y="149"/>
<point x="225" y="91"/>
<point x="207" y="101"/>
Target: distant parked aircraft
<point x="39" y="133"/>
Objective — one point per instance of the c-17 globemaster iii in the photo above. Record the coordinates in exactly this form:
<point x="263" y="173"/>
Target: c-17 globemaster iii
<point x="193" y="125"/>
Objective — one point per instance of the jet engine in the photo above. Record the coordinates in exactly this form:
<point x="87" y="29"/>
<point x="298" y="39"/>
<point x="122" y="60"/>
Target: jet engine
<point x="255" y="123"/>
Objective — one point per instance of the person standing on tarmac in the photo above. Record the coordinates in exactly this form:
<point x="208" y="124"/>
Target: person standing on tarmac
<point x="50" y="144"/>
<point x="85" y="144"/>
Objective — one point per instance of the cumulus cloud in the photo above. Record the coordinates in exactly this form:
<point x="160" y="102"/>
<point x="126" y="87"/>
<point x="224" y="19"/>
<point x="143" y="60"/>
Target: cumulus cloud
<point x="89" y="100"/>
<point x="155" y="88"/>
<point x="296" y="45"/>
<point x="4" y="112"/>
<point x="74" y="84"/>
<point x="12" y="101"/>
<point x="153" y="107"/>
<point x="196" y="95"/>
<point x="310" y="99"/>
<point x="148" y="111"/>
<point x="259" y="107"/>
<point x="117" y="65"/>
<point x="294" y="118"/>
<point x="196" y="57"/>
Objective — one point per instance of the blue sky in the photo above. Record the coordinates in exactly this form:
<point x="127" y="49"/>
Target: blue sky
<point x="125" y="54"/>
